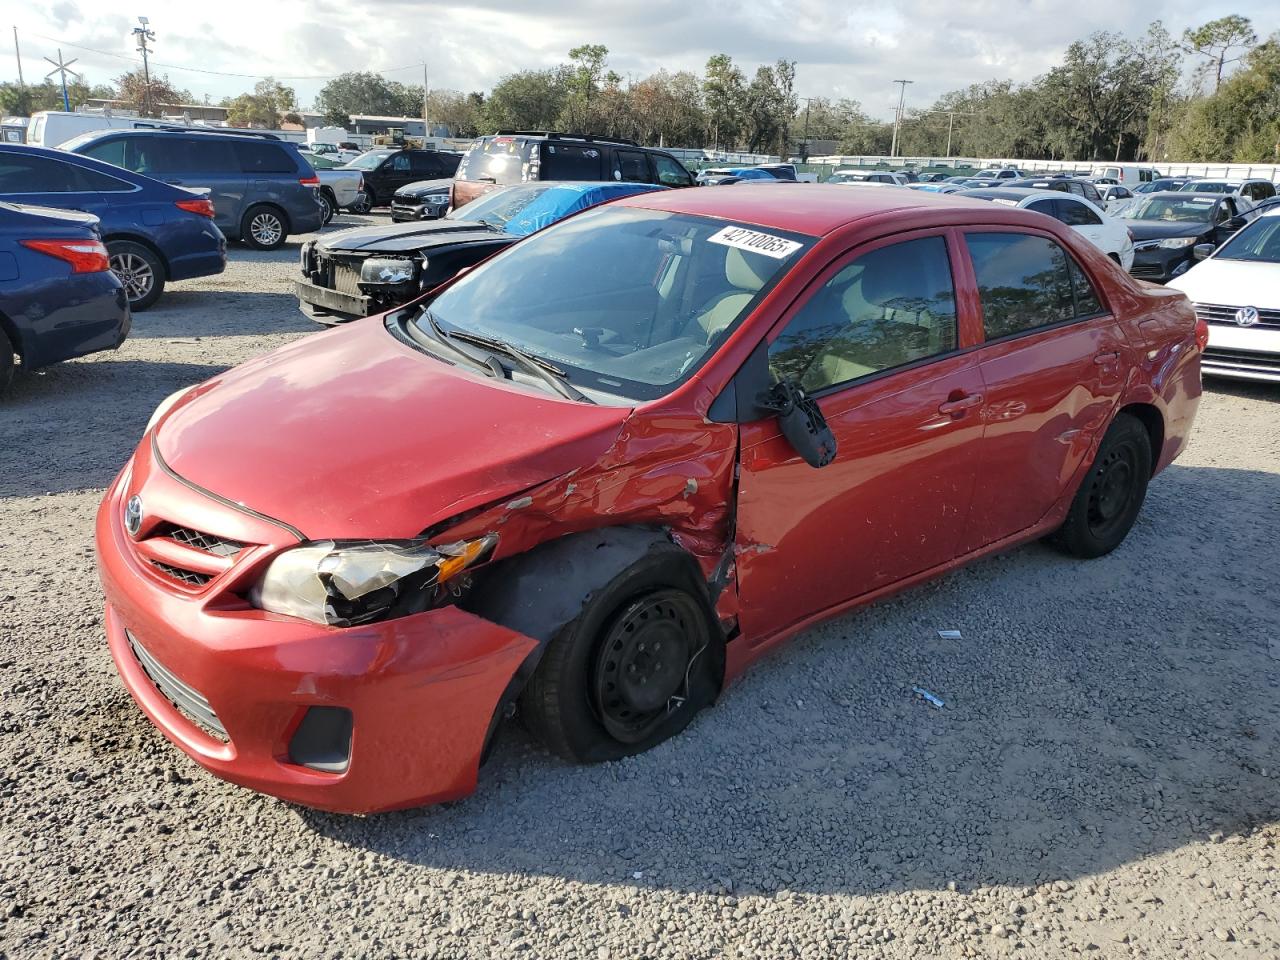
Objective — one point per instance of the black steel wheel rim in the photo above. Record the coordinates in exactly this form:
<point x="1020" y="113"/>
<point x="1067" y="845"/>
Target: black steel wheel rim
<point x="1112" y="487"/>
<point x="642" y="667"/>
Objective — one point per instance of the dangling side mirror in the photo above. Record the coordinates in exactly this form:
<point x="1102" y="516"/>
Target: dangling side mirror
<point x="802" y="422"/>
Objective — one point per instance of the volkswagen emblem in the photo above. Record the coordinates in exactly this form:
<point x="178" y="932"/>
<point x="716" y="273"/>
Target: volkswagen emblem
<point x="1246" y="316"/>
<point x="133" y="515"/>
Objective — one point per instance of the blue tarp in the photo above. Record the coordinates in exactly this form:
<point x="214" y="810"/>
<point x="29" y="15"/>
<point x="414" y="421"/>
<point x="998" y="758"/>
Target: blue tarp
<point x="559" y="201"/>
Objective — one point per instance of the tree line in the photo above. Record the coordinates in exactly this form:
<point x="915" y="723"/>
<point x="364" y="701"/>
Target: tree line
<point x="1111" y="97"/>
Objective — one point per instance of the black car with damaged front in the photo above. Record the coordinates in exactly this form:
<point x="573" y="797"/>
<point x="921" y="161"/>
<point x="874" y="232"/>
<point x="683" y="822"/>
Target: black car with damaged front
<point x="366" y="270"/>
<point x="1168" y="226"/>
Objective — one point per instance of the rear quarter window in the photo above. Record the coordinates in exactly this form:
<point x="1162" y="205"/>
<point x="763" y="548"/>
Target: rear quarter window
<point x="562" y="161"/>
<point x="260" y="158"/>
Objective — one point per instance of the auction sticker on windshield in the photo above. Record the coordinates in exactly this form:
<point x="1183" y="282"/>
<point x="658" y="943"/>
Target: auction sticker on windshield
<point x="744" y="239"/>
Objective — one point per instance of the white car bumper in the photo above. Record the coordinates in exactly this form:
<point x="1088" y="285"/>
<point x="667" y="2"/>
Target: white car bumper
<point x="1243" y="353"/>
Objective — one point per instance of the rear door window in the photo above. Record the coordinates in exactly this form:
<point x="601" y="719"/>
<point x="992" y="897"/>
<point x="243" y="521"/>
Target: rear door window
<point x="264" y="158"/>
<point x="34" y="174"/>
<point x="1027" y="282"/>
<point x="570" y="161"/>
<point x="631" y="166"/>
<point x="1076" y="214"/>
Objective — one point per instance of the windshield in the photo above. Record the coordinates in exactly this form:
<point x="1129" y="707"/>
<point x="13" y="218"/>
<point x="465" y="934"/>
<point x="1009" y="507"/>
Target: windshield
<point x="499" y="207"/>
<point x="628" y="302"/>
<point x="370" y="161"/>
<point x="846" y="177"/>
<point x="500" y="160"/>
<point x="1206" y="186"/>
<point x="1259" y="241"/>
<point x="1172" y="209"/>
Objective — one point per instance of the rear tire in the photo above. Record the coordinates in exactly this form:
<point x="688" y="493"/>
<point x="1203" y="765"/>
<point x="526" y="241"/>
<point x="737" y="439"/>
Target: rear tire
<point x="6" y="362"/>
<point x="632" y="669"/>
<point x="139" y="269"/>
<point x="263" y="227"/>
<point x="1111" y="494"/>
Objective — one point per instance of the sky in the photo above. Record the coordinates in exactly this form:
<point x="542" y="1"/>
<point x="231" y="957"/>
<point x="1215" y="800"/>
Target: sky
<point x="841" y="49"/>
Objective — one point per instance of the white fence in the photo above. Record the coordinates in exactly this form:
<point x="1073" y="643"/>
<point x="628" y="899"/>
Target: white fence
<point x="1265" y="171"/>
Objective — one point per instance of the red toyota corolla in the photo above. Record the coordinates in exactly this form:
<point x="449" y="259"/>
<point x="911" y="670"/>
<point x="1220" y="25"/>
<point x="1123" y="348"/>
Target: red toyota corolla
<point x="599" y="475"/>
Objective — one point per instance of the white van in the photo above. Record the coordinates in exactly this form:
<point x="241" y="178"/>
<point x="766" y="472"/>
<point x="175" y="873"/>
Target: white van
<point x="52" y="128"/>
<point x="1126" y="174"/>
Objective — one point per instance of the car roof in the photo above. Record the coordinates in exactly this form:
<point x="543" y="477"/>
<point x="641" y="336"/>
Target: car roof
<point x="806" y="208"/>
<point x="1011" y="193"/>
<point x="92" y="135"/>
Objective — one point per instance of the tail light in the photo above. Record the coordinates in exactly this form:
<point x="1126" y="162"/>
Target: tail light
<point x="202" y="206"/>
<point x="85" y="256"/>
<point x="311" y="181"/>
<point x="1202" y="334"/>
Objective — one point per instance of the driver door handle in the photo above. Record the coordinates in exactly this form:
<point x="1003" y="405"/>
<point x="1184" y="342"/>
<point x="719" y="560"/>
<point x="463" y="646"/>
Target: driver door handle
<point x="960" y="404"/>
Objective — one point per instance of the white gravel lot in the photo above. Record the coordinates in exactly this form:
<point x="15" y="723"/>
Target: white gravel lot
<point x="1103" y="779"/>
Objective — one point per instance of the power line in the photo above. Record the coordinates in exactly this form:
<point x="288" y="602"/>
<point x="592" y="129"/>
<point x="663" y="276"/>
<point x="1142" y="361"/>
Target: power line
<point x="214" y="73"/>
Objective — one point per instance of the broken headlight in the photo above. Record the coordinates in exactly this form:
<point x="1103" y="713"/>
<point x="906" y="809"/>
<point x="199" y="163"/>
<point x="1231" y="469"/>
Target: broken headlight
<point x="387" y="271"/>
<point x="344" y="583"/>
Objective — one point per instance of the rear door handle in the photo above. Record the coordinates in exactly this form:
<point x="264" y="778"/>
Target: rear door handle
<point x="1104" y="358"/>
<point x="961" y="404"/>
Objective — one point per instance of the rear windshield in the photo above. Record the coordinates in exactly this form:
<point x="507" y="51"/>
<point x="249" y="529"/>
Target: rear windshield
<point x="500" y="160"/>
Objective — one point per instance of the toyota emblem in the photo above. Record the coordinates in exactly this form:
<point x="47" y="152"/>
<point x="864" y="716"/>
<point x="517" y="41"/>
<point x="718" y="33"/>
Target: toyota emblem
<point x="133" y="515"/>
<point x="1246" y="316"/>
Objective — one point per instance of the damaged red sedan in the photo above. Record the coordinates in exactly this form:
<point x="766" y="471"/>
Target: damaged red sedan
<point x="599" y="475"/>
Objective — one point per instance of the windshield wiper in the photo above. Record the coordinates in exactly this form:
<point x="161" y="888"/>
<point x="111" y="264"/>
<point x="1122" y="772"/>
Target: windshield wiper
<point x="487" y="364"/>
<point x="547" y="371"/>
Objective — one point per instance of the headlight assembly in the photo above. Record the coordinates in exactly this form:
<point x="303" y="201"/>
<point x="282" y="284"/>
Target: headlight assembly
<point x="344" y="583"/>
<point x="1177" y="243"/>
<point x="387" y="271"/>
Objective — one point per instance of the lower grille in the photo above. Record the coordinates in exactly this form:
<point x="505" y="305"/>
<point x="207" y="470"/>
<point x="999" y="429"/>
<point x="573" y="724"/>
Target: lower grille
<point x="188" y="700"/>
<point x="192" y="578"/>
<point x="1240" y="361"/>
<point x="1226" y="315"/>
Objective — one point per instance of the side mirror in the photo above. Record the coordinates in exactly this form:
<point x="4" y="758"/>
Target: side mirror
<point x="802" y="422"/>
<point x="1202" y="250"/>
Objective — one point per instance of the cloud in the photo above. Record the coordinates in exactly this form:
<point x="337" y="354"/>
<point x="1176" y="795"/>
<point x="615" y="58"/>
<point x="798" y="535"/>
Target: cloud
<point x="841" y="50"/>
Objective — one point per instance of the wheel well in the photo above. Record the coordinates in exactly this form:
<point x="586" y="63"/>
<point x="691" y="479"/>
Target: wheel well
<point x="1153" y="421"/>
<point x="142" y="242"/>
<point x="284" y="214"/>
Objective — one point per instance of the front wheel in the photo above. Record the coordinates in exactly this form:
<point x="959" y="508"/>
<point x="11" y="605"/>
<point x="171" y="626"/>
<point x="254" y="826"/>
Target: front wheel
<point x="363" y="203"/>
<point x="263" y="228"/>
<point x="327" y="206"/>
<point x="6" y="362"/>
<point x="631" y="670"/>
<point x="1112" y="493"/>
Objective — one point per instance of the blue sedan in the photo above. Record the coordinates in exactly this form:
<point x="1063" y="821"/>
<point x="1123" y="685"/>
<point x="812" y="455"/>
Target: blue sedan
<point x="154" y="232"/>
<point x="58" y="296"/>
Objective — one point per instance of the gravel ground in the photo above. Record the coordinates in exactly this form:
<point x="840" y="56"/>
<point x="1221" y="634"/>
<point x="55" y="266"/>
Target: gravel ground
<point x="1102" y="779"/>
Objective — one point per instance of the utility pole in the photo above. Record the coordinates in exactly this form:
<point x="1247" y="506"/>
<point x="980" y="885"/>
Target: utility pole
<point x="951" y="122"/>
<point x="426" y="114"/>
<point x="804" y="152"/>
<point x="143" y="34"/>
<point x="18" y="53"/>
<point x="897" y="117"/>
<point x="61" y="69"/>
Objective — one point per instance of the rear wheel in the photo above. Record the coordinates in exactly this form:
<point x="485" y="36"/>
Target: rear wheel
<point x="363" y="203"/>
<point x="263" y="228"/>
<point x="139" y="270"/>
<point x="6" y="362"/>
<point x="327" y="207"/>
<point x="631" y="670"/>
<point x="1112" y="493"/>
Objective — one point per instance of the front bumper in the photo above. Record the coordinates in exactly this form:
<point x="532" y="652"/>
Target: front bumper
<point x="1242" y="353"/>
<point x="404" y="209"/>
<point x="330" y="306"/>
<point x="422" y="691"/>
<point x="1159" y="264"/>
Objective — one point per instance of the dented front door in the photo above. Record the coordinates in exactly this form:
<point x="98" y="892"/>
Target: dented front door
<point x="877" y="342"/>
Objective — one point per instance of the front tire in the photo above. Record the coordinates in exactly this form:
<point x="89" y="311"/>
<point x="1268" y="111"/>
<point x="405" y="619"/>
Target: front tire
<point x="1111" y="494"/>
<point x="327" y="207"/>
<point x="139" y="270"/>
<point x="632" y="669"/>
<point x="364" y="202"/>
<point x="263" y="228"/>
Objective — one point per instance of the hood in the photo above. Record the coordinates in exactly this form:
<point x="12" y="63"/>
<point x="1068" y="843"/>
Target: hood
<point x="1236" y="283"/>
<point x="405" y="237"/>
<point x="352" y="434"/>
<point x="424" y="186"/>
<point x="1160" y="229"/>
